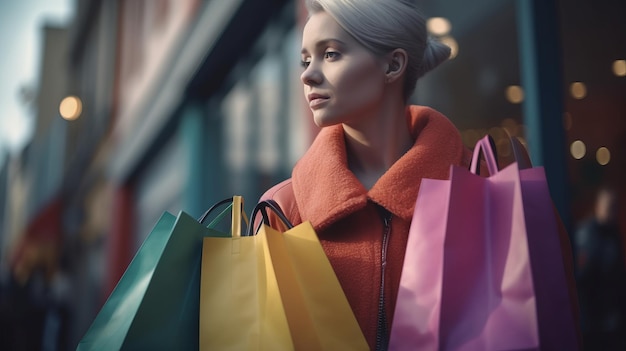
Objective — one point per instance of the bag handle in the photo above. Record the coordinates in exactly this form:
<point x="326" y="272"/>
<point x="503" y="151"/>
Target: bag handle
<point x="487" y="147"/>
<point x="237" y="214"/>
<point x="215" y="206"/>
<point x="520" y="153"/>
<point x="236" y="204"/>
<point x="262" y="207"/>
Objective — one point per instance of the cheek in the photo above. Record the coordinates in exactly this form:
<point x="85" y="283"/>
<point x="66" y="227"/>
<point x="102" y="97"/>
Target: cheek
<point x="360" y="70"/>
<point x="361" y="83"/>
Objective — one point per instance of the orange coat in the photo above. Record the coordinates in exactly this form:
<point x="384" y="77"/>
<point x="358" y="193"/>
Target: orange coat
<point x="348" y="218"/>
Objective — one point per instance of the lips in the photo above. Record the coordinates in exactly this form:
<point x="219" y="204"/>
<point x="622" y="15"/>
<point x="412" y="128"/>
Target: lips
<point x="315" y="100"/>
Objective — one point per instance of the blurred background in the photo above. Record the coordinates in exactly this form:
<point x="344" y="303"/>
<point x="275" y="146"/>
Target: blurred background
<point x="113" y="111"/>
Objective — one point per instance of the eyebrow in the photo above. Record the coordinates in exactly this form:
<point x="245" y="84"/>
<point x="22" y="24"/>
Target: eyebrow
<point x="323" y="43"/>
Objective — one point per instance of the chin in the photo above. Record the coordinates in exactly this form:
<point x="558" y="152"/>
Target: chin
<point x="326" y="120"/>
<point x="326" y="123"/>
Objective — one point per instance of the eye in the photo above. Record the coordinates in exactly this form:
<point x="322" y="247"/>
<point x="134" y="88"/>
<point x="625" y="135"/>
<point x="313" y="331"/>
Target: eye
<point x="331" y="55"/>
<point x="305" y="63"/>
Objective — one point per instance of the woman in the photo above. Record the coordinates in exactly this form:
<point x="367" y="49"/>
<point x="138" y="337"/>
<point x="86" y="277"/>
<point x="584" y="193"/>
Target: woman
<point x="358" y="182"/>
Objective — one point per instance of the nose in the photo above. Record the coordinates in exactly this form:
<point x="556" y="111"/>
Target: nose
<point x="311" y="75"/>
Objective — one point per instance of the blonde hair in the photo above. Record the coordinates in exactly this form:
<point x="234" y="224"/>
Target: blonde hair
<point x="382" y="26"/>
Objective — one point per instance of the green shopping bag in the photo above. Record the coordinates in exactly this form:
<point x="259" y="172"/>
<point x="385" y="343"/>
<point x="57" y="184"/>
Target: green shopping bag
<point x="156" y="302"/>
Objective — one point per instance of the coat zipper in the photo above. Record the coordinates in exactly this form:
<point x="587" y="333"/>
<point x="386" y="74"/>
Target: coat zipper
<point x="382" y="341"/>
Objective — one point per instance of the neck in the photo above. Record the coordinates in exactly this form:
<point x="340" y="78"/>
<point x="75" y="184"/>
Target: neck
<point x="377" y="142"/>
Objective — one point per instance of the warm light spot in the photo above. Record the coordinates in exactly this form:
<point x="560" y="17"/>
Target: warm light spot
<point x="470" y="137"/>
<point x="578" y="90"/>
<point x="504" y="147"/>
<point x="578" y="149"/>
<point x="452" y="44"/>
<point x="498" y="133"/>
<point x="438" y="26"/>
<point x="603" y="156"/>
<point x="619" y="68"/>
<point x="515" y="94"/>
<point x="511" y="126"/>
<point x="567" y="121"/>
<point x="70" y="108"/>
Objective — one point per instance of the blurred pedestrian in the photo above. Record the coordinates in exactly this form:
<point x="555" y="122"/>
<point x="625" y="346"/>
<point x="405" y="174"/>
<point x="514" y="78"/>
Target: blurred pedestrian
<point x="601" y="276"/>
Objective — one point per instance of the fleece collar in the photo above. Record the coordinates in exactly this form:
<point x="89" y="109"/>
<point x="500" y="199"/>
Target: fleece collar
<point x="326" y="190"/>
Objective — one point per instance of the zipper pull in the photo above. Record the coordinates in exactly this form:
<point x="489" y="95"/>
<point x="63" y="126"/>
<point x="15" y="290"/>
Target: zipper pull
<point x="386" y="216"/>
<point x="387" y="219"/>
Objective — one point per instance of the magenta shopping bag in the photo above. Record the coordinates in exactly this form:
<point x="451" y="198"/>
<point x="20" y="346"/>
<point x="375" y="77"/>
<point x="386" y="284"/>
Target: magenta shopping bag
<point x="484" y="266"/>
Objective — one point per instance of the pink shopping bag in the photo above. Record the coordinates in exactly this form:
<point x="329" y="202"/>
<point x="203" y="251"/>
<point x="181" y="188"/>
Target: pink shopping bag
<point x="484" y="268"/>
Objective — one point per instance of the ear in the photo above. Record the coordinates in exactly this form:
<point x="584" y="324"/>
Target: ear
<point x="396" y="64"/>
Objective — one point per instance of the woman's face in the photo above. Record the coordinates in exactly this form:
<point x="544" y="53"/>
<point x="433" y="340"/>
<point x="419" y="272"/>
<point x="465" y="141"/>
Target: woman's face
<point x="342" y="79"/>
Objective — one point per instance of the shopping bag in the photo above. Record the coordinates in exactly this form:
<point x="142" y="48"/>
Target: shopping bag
<point x="475" y="275"/>
<point x="550" y="258"/>
<point x="318" y="312"/>
<point x="240" y="305"/>
<point x="154" y="305"/>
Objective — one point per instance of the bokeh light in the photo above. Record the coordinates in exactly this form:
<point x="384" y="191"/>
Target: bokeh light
<point x="454" y="46"/>
<point x="438" y="26"/>
<point x="619" y="68"/>
<point x="70" y="108"/>
<point x="578" y="149"/>
<point x="514" y="94"/>
<point x="578" y="90"/>
<point x="603" y="156"/>
<point x="511" y="126"/>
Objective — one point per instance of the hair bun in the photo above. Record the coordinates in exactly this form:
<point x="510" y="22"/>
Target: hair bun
<point x="435" y="53"/>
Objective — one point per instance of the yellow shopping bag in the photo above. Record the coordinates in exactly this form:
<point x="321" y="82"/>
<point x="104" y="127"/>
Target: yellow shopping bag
<point x="319" y="315"/>
<point x="240" y="304"/>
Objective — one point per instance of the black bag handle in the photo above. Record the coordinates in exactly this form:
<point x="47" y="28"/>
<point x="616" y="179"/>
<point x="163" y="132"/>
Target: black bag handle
<point x="262" y="207"/>
<point x="215" y="206"/>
